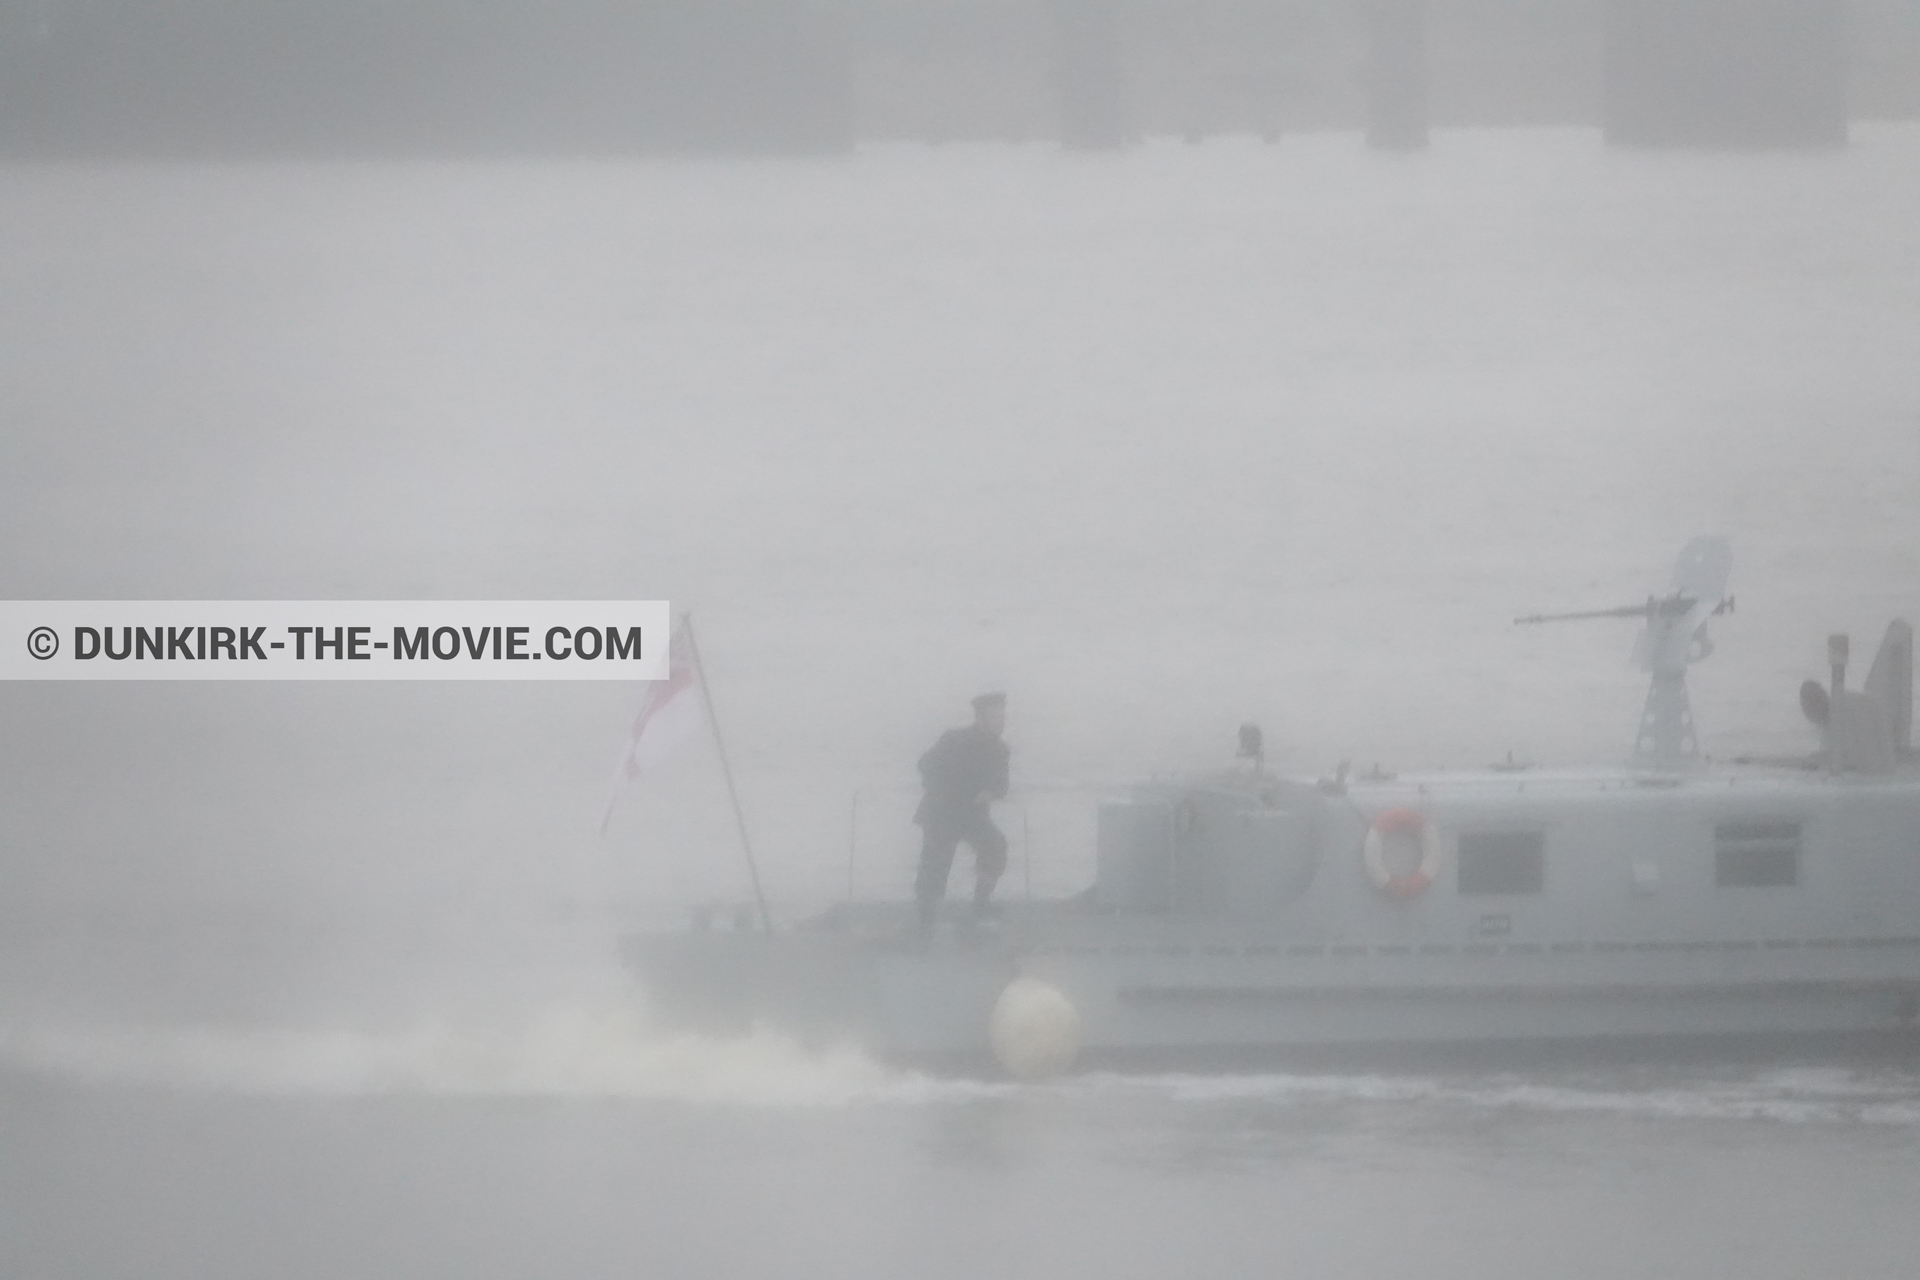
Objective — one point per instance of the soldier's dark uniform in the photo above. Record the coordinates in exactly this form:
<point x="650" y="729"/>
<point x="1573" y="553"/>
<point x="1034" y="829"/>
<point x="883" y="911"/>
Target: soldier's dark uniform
<point x="957" y="770"/>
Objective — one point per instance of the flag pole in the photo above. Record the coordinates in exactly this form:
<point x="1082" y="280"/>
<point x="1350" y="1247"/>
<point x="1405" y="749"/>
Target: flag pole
<point x="733" y="793"/>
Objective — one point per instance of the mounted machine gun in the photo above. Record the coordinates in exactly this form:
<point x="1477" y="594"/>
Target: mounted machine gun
<point x="1674" y="637"/>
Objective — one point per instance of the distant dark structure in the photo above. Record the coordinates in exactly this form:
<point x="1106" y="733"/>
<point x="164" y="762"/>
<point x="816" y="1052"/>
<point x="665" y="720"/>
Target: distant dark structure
<point x="1396" y="74"/>
<point x="236" y="79"/>
<point x="441" y="77"/>
<point x="1726" y="73"/>
<point x="1092" y="88"/>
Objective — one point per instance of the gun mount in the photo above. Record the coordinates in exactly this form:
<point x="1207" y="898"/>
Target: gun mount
<point x="1674" y="637"/>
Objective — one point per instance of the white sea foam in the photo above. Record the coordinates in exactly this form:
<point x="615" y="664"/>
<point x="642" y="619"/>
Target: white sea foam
<point x="610" y="1051"/>
<point x="574" y="1052"/>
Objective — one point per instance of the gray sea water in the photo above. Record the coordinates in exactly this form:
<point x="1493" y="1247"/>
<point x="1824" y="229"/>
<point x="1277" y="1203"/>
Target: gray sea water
<point x="318" y="980"/>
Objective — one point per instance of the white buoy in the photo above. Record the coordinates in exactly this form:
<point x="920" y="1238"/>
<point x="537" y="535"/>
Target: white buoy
<point x="1035" y="1030"/>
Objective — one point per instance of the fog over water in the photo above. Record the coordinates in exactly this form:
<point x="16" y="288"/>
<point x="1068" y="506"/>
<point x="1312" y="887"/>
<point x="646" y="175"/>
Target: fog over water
<point x="317" y="980"/>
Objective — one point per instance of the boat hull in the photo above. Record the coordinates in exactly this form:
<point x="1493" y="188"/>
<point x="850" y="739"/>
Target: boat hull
<point x="1137" y="999"/>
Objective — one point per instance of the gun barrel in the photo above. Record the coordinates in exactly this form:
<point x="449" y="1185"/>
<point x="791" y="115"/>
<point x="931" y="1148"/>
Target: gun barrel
<point x="1674" y="606"/>
<point x="1624" y="611"/>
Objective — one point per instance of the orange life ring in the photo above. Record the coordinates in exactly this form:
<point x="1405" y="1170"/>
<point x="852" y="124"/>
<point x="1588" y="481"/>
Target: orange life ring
<point x="1413" y="883"/>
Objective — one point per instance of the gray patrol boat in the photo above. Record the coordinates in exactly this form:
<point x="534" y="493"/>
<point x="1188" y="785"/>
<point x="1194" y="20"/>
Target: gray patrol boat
<point x="1241" y="914"/>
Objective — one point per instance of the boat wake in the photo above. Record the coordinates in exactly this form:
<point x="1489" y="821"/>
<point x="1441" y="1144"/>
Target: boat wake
<point x="581" y="1051"/>
<point x="610" y="1051"/>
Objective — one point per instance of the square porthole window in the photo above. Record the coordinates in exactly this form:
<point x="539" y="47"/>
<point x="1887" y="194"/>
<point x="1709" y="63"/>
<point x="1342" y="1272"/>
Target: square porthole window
<point x="1756" y="855"/>
<point x="1503" y="862"/>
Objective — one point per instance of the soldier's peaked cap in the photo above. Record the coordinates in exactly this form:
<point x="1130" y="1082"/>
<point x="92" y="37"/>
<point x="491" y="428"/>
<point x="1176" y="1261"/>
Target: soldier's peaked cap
<point x="986" y="700"/>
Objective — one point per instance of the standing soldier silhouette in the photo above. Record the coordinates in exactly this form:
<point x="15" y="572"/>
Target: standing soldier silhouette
<point x="964" y="773"/>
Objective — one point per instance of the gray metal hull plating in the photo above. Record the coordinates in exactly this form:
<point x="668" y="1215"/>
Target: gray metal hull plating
<point x="1239" y="919"/>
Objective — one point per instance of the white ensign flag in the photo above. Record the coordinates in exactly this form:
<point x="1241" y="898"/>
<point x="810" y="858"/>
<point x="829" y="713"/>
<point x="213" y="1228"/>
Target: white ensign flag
<point x="669" y="714"/>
